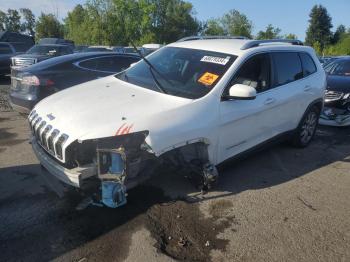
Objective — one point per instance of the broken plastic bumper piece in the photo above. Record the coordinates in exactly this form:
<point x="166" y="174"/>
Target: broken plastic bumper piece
<point x="331" y="117"/>
<point x="111" y="165"/>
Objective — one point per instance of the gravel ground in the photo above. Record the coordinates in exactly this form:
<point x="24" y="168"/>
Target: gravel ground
<point x="281" y="204"/>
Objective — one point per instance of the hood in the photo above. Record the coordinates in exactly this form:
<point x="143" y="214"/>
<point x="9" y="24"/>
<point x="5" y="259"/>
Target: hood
<point x="338" y="83"/>
<point x="106" y="107"/>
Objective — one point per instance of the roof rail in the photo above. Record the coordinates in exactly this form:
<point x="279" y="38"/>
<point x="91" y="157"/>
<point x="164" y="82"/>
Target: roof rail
<point x="206" y="37"/>
<point x="256" y="43"/>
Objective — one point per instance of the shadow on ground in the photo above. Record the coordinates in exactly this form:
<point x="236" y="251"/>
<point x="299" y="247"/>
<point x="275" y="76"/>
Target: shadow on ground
<point x="37" y="225"/>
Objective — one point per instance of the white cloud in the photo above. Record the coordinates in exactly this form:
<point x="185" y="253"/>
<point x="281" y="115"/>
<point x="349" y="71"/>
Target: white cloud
<point x="57" y="7"/>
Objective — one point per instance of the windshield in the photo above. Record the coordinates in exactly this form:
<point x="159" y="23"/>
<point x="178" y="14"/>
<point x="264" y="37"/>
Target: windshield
<point x="48" y="50"/>
<point x="341" y="68"/>
<point x="181" y="72"/>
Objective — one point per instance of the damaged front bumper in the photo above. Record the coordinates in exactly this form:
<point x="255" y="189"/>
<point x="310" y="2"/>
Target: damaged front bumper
<point x="335" y="117"/>
<point x="73" y="177"/>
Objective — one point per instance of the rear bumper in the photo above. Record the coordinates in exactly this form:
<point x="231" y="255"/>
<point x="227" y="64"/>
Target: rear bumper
<point x="73" y="177"/>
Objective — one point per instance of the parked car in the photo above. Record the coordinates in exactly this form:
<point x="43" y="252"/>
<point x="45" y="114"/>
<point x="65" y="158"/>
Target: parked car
<point x="337" y="98"/>
<point x="56" y="41"/>
<point x="96" y="49"/>
<point x="79" y="48"/>
<point x="191" y="105"/>
<point x="31" y="84"/>
<point x="40" y="53"/>
<point x="12" y="44"/>
<point x="147" y="49"/>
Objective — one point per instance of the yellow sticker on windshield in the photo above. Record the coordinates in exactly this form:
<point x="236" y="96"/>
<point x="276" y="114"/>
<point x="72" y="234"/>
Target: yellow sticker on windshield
<point x="208" y="78"/>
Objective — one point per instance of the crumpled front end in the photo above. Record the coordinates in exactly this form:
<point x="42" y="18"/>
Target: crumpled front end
<point x="336" y="111"/>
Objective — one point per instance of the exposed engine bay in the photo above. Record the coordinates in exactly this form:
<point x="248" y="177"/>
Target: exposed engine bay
<point x="336" y="110"/>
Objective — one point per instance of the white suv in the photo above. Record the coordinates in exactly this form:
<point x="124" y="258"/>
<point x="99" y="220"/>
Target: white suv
<point x="191" y="105"/>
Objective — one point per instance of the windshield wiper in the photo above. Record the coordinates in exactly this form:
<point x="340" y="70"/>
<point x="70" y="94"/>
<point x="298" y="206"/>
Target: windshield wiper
<point x="151" y="69"/>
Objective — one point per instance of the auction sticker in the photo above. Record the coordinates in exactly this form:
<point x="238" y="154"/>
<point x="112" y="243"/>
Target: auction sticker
<point x="208" y="78"/>
<point x="215" y="60"/>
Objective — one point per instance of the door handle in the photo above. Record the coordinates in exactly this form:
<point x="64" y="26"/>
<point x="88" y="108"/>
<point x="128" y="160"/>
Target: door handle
<point x="269" y="101"/>
<point x="307" y="88"/>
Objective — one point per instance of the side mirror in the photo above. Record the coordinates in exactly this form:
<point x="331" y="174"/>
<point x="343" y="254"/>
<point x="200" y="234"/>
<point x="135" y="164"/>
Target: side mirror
<point x="241" y="92"/>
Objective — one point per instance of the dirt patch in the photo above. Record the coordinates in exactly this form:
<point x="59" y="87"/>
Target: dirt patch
<point x="8" y="138"/>
<point x="4" y="99"/>
<point x="2" y="119"/>
<point x="220" y="208"/>
<point x="183" y="233"/>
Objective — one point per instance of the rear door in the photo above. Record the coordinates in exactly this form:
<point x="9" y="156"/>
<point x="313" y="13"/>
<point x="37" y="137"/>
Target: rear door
<point x="289" y="88"/>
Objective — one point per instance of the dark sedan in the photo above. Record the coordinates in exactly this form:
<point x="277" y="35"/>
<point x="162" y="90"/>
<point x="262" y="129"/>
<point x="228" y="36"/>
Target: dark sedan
<point x="30" y="85"/>
<point x="337" y="98"/>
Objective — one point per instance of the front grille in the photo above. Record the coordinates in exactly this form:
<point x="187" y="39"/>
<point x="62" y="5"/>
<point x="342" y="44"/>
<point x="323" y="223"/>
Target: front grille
<point x="23" y="62"/>
<point x="332" y="96"/>
<point x="49" y="138"/>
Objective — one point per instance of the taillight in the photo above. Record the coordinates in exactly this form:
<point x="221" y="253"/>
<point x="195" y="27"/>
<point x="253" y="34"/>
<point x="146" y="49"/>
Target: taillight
<point x="31" y="80"/>
<point x="49" y="82"/>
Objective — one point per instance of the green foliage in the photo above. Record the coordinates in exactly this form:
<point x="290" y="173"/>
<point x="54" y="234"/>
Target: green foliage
<point x="340" y="48"/>
<point x="319" y="29"/>
<point x="214" y="27"/>
<point x="48" y="26"/>
<point x="237" y="24"/>
<point x="269" y="33"/>
<point x="290" y="36"/>
<point x="13" y="22"/>
<point x="232" y="23"/>
<point x="338" y="34"/>
<point x="29" y="21"/>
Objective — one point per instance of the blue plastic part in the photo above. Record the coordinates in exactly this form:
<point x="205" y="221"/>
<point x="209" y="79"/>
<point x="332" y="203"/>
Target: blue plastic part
<point x="113" y="194"/>
<point x="117" y="165"/>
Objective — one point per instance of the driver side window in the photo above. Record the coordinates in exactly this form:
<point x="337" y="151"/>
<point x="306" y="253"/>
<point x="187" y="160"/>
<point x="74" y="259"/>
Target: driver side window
<point x="255" y="72"/>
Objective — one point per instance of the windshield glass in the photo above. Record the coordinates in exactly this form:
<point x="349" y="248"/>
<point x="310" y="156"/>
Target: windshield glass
<point x="45" y="50"/>
<point x="181" y="72"/>
<point x="341" y="68"/>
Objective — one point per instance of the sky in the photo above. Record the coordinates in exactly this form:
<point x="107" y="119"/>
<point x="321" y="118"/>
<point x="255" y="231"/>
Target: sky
<point x="290" y="16"/>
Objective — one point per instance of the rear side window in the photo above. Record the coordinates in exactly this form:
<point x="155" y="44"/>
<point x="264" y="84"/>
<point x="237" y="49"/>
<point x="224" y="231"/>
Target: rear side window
<point x="5" y="49"/>
<point x="308" y="64"/>
<point x="288" y="67"/>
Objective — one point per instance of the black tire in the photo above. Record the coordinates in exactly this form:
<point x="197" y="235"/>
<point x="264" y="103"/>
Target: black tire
<point x="307" y="128"/>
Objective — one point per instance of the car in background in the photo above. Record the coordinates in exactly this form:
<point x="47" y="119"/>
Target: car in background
<point x="56" y="41"/>
<point x="147" y="49"/>
<point x="336" y="110"/>
<point x="31" y="84"/>
<point x="79" y="48"/>
<point x="12" y="44"/>
<point x="40" y="53"/>
<point x="97" y="49"/>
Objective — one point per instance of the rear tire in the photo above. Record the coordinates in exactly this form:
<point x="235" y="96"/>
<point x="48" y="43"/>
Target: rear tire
<point x="307" y="128"/>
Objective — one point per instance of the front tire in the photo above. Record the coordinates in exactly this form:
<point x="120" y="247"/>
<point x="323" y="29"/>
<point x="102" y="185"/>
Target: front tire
<point x="307" y="128"/>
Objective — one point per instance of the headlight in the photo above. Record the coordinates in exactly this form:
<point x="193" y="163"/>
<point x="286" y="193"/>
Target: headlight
<point x="346" y="96"/>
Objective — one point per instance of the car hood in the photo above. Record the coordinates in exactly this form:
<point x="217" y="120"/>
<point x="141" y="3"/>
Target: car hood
<point x="338" y="83"/>
<point x="107" y="107"/>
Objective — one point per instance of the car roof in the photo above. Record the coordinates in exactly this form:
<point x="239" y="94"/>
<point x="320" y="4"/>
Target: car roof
<point x="56" y="45"/>
<point x="234" y="46"/>
<point x="73" y="57"/>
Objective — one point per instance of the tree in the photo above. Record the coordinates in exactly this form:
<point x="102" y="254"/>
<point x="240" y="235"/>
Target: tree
<point x="3" y="21"/>
<point x="237" y="24"/>
<point x="75" y="25"/>
<point x="213" y="27"/>
<point x="269" y="33"/>
<point x="320" y="25"/>
<point x="291" y="36"/>
<point x="13" y="21"/>
<point x="339" y="33"/>
<point x="48" y="26"/>
<point x="29" y="21"/>
<point x="172" y="20"/>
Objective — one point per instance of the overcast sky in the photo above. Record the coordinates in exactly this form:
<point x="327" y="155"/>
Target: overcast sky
<point x="290" y="16"/>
